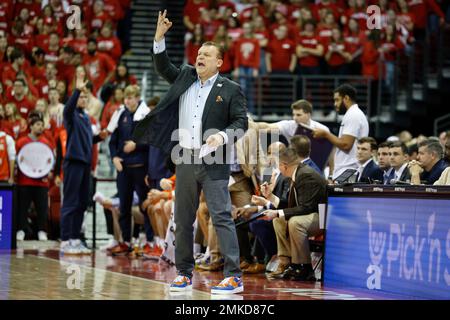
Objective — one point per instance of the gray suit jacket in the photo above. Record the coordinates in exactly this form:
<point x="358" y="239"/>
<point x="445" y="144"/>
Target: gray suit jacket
<point x="225" y="110"/>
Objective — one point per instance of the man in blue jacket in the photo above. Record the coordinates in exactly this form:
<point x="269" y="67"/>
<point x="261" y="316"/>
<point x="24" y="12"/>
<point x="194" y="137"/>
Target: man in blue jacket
<point x="131" y="161"/>
<point x="77" y="168"/>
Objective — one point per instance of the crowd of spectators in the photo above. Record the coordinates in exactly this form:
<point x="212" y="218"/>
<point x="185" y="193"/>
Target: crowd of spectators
<point x="40" y="56"/>
<point x="307" y="37"/>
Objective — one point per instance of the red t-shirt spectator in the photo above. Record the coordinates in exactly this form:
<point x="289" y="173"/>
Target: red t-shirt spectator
<point x="222" y="6"/>
<point x="107" y="113"/>
<point x="34" y="8"/>
<point x="24" y="180"/>
<point x="210" y="28"/>
<point x="325" y="32"/>
<point x="17" y="128"/>
<point x="335" y="9"/>
<point x="98" y="21"/>
<point x="7" y="127"/>
<point x="114" y="9"/>
<point x="353" y="41"/>
<point x="37" y="73"/>
<point x="359" y="15"/>
<point x="23" y="42"/>
<point x="6" y="13"/>
<point x="51" y="55"/>
<point x="369" y="59"/>
<point x="246" y="14"/>
<point x="110" y="46"/>
<point x="192" y="10"/>
<point x="311" y="42"/>
<point x="281" y="52"/>
<point x="79" y="45"/>
<point x="9" y="73"/>
<point x="261" y="35"/>
<point x="24" y="106"/>
<point x="391" y="49"/>
<point x="98" y="67"/>
<point x="228" y="58"/>
<point x="420" y="10"/>
<point x="247" y="53"/>
<point x="192" y="51"/>
<point x="292" y="30"/>
<point x="336" y="59"/>
<point x="41" y="40"/>
<point x="65" y="71"/>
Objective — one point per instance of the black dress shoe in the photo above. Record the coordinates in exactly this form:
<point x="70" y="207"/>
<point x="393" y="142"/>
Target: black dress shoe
<point x="289" y="273"/>
<point x="304" y="272"/>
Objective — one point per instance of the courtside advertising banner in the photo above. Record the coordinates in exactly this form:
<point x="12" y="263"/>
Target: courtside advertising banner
<point x="399" y="246"/>
<point x="6" y="200"/>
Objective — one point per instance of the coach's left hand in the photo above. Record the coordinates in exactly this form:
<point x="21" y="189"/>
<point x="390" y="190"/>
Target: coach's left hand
<point x="215" y="140"/>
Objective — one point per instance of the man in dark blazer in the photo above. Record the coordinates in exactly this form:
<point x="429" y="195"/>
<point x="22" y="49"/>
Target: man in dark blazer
<point x="399" y="158"/>
<point x="368" y="170"/>
<point x="300" y="220"/>
<point x="206" y="108"/>
<point x="263" y="230"/>
<point x="302" y="144"/>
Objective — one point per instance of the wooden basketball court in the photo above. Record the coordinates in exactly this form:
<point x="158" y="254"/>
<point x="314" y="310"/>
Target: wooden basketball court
<point x="44" y="274"/>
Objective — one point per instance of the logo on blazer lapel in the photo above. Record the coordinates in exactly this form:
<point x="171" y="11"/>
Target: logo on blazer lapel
<point x="219" y="99"/>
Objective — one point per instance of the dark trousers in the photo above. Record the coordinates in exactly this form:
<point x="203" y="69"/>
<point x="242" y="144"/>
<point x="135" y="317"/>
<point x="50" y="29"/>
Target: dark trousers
<point x="37" y="195"/>
<point x="191" y="178"/>
<point x="128" y="180"/>
<point x="265" y="234"/>
<point x="109" y="221"/>
<point x="245" y="246"/>
<point x="75" y="200"/>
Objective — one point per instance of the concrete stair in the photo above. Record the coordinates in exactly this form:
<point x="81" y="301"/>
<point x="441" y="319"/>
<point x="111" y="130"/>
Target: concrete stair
<point x="145" y="15"/>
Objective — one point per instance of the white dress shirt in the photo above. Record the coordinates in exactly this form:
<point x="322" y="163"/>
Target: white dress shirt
<point x="191" y="105"/>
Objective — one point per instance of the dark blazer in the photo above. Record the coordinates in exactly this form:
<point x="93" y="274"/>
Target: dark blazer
<point x="122" y="134"/>
<point x="435" y="173"/>
<point x="406" y="175"/>
<point x="311" y="189"/>
<point x="372" y="171"/>
<point x="281" y="190"/>
<point x="225" y="109"/>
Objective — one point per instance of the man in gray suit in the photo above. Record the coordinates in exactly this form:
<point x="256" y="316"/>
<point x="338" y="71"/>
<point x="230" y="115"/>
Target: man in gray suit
<point x="208" y="109"/>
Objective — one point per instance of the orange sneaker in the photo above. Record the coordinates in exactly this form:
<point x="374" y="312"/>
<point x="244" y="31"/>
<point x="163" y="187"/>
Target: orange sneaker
<point x="151" y="250"/>
<point x="122" y="249"/>
<point x="229" y="285"/>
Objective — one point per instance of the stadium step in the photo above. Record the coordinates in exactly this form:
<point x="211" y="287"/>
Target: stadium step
<point x="144" y="17"/>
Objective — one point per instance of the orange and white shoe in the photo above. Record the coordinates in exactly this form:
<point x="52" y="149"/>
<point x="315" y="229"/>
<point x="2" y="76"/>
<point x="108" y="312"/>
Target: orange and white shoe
<point x="229" y="285"/>
<point x="181" y="283"/>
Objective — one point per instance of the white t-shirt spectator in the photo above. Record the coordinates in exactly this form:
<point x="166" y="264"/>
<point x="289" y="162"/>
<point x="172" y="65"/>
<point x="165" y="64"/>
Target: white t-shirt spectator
<point x="288" y="127"/>
<point x="353" y="124"/>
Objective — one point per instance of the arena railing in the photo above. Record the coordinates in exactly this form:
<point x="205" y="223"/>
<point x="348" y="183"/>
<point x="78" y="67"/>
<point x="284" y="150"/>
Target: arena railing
<point x="441" y="124"/>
